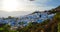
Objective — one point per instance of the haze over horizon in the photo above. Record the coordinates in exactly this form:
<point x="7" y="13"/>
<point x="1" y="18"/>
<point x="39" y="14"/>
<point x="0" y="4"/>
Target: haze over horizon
<point x="27" y="5"/>
<point x="24" y="7"/>
<point x="14" y="14"/>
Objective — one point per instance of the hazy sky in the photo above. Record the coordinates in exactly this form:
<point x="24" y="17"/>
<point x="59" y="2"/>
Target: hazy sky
<point x="14" y="14"/>
<point x="27" y="5"/>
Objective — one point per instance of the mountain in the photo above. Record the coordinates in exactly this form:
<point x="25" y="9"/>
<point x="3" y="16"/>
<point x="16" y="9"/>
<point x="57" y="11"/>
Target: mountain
<point x="57" y="9"/>
<point x="28" y="17"/>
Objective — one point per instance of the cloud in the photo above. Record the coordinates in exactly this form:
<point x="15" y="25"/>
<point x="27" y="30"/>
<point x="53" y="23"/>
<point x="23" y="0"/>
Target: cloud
<point x="28" y="2"/>
<point x="42" y="1"/>
<point x="34" y="8"/>
<point x="26" y="5"/>
<point x="15" y="13"/>
<point x="0" y="4"/>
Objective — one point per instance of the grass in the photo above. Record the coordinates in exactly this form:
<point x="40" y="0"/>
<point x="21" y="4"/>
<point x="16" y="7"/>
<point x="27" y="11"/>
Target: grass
<point x="59" y="27"/>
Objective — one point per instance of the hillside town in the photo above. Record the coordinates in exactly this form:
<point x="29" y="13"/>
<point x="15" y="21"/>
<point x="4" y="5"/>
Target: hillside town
<point x="35" y="18"/>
